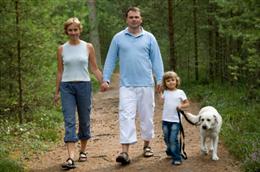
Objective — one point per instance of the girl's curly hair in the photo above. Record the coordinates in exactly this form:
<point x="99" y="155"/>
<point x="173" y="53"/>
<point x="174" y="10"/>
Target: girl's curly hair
<point x="170" y="74"/>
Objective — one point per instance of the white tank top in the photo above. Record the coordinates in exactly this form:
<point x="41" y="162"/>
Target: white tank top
<point x="75" y="62"/>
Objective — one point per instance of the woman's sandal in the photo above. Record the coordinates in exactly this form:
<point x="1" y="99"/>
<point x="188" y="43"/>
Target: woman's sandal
<point x="82" y="157"/>
<point x="69" y="164"/>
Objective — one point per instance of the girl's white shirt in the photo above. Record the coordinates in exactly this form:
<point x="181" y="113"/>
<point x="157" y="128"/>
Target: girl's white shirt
<point x="172" y="98"/>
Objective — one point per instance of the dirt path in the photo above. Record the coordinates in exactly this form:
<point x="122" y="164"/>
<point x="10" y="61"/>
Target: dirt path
<point x="104" y="146"/>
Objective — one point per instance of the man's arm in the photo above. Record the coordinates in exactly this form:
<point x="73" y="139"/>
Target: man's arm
<point x="110" y="63"/>
<point x="157" y="63"/>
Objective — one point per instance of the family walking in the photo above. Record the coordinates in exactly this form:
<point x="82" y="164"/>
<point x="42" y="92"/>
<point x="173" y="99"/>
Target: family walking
<point x="140" y="61"/>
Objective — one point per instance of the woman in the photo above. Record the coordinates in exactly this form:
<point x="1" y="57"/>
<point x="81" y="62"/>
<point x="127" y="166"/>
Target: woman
<point x="74" y="85"/>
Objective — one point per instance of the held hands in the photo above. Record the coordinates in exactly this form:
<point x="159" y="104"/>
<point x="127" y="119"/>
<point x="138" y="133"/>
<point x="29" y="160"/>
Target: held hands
<point x="104" y="86"/>
<point x="159" y="93"/>
<point x="159" y="88"/>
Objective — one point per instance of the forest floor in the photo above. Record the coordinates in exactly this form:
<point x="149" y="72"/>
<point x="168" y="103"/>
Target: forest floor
<point x="104" y="145"/>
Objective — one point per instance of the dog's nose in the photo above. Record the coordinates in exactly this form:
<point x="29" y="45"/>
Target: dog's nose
<point x="204" y="127"/>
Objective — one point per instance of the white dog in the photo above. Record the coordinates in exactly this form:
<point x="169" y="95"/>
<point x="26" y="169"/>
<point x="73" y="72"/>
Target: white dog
<point x="210" y="123"/>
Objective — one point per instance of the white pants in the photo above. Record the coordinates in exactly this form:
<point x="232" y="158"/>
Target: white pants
<point x="133" y="100"/>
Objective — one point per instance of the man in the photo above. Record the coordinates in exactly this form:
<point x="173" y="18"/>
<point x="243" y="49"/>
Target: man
<point x="140" y="59"/>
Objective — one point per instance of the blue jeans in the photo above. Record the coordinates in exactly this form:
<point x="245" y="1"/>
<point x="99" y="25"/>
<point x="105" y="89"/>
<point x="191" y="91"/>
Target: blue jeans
<point x="76" y="95"/>
<point x="170" y="132"/>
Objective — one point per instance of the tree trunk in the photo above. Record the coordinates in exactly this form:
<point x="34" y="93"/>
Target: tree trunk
<point x="94" y="35"/>
<point x="225" y="58"/>
<point x="18" y="49"/>
<point x="195" y="40"/>
<point x="211" y="45"/>
<point x="220" y="57"/>
<point x="173" y="61"/>
<point x="217" y="53"/>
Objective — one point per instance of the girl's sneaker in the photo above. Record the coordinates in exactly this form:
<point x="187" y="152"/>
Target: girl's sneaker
<point x="176" y="163"/>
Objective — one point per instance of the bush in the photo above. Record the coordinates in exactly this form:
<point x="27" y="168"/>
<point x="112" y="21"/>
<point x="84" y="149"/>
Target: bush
<point x="49" y="135"/>
<point x="34" y="136"/>
<point x="8" y="165"/>
<point x="3" y="152"/>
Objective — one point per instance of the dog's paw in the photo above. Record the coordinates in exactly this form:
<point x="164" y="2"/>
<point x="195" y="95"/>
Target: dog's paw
<point x="215" y="157"/>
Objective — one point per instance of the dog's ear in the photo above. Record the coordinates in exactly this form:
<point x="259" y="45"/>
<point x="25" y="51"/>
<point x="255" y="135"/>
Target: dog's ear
<point x="215" y="118"/>
<point x="215" y="123"/>
<point x="199" y="120"/>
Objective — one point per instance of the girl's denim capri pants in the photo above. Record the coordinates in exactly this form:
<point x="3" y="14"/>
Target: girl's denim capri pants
<point x="76" y="96"/>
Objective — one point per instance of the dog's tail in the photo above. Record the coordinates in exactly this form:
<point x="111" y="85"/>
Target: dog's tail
<point x="192" y="119"/>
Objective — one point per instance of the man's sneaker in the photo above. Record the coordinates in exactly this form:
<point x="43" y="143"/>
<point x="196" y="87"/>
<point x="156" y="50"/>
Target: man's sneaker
<point x="148" y="151"/>
<point x="123" y="158"/>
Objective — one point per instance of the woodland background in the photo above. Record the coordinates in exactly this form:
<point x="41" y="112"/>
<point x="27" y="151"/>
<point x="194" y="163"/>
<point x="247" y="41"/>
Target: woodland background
<point x="212" y="44"/>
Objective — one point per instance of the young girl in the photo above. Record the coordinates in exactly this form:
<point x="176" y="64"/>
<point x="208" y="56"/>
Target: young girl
<point x="174" y="99"/>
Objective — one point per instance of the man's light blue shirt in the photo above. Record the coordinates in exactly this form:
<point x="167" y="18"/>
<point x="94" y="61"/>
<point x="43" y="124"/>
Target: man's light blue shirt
<point x="139" y="59"/>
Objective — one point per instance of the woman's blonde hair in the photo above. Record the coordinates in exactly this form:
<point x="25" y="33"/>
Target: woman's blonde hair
<point x="70" y="21"/>
<point x="170" y="74"/>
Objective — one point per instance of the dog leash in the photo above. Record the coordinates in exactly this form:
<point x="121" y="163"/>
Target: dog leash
<point x="182" y="137"/>
<point x="182" y="112"/>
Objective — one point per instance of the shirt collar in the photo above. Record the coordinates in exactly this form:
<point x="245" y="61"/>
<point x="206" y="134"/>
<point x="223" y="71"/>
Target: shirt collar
<point x="128" y="33"/>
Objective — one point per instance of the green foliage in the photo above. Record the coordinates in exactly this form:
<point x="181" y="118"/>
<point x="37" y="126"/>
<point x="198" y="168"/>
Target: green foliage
<point x="8" y="165"/>
<point x="3" y="152"/>
<point x="49" y="135"/>
<point x="32" y="137"/>
<point x="241" y="119"/>
<point x="239" y="21"/>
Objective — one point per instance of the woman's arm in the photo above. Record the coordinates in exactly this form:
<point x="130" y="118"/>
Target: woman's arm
<point x="93" y="64"/>
<point x="59" y="75"/>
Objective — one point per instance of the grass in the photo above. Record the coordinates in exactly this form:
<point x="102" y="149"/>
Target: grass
<point x="8" y="165"/>
<point x="42" y="129"/>
<point x="20" y="142"/>
<point x="241" y="119"/>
